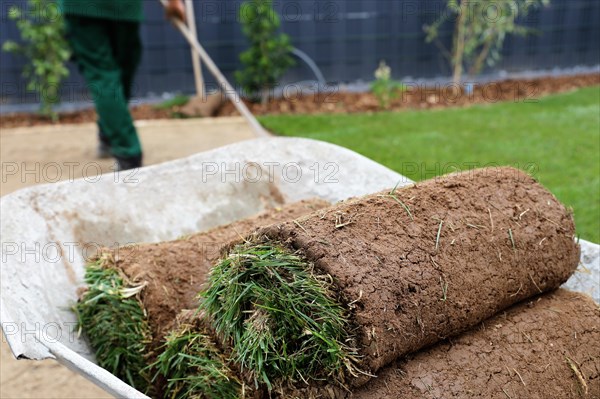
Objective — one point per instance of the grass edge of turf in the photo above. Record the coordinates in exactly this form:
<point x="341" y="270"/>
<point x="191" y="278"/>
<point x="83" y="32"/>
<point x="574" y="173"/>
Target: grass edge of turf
<point x="194" y="366"/>
<point x="110" y="314"/>
<point x="282" y="318"/>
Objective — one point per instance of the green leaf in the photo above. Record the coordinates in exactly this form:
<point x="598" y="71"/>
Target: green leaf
<point x="266" y="60"/>
<point x="43" y="45"/>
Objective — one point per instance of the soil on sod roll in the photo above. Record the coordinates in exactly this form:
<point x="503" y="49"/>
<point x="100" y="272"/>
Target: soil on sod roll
<point x="546" y="347"/>
<point x="410" y="267"/>
<point x="174" y="271"/>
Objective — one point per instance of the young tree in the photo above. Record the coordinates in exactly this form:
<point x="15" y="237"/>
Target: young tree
<point x="384" y="87"/>
<point x="480" y="28"/>
<point x="43" y="44"/>
<point x="268" y="57"/>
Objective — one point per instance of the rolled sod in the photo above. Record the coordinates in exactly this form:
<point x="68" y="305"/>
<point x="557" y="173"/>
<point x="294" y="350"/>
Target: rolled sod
<point x="193" y="366"/>
<point x="134" y="293"/>
<point x="548" y="347"/>
<point x="173" y="272"/>
<point x="545" y="347"/>
<point x="345" y="291"/>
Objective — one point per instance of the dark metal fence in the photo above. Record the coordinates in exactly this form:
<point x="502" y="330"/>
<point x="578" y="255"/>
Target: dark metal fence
<point x="346" y="38"/>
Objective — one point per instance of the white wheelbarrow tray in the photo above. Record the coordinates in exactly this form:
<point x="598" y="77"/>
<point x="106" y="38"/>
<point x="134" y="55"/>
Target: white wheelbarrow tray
<point x="47" y="230"/>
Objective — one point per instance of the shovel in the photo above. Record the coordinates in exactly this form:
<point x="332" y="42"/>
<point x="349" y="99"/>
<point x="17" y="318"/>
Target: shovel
<point x="226" y="87"/>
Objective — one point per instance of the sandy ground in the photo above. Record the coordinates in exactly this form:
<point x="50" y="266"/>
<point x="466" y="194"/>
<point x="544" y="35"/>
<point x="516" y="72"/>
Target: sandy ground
<point x="47" y="154"/>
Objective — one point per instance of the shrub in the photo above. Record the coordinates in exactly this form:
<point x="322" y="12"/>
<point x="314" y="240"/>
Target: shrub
<point x="268" y="57"/>
<point x="384" y="87"/>
<point x="43" y="44"/>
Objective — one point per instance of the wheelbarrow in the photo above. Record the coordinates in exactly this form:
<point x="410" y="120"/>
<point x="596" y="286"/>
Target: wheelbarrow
<point x="47" y="231"/>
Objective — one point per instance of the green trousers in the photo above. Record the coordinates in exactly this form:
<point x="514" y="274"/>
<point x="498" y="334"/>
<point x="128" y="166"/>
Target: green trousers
<point x="108" y="53"/>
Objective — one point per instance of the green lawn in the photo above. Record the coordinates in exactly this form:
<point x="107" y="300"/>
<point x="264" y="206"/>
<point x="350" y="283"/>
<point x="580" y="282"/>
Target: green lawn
<point x="556" y="138"/>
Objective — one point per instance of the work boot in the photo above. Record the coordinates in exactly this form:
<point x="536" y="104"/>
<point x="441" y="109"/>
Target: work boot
<point x="129" y="162"/>
<point x="104" y="150"/>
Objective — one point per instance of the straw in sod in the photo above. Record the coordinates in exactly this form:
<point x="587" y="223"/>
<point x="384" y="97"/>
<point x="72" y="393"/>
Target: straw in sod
<point x="346" y="291"/>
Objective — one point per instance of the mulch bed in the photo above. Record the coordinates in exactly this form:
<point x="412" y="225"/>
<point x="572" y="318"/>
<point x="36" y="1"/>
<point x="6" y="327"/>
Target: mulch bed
<point x="517" y="90"/>
<point x="332" y="101"/>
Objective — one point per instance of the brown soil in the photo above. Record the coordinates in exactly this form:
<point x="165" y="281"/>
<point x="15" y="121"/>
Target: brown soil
<point x="175" y="271"/>
<point x="543" y="348"/>
<point x="332" y="101"/>
<point x="502" y="238"/>
<point x="22" y="119"/>
<point x="202" y="106"/>
<point x="419" y="97"/>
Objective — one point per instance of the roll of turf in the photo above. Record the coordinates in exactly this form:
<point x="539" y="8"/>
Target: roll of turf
<point x="343" y="292"/>
<point x="173" y="272"/>
<point x="544" y="348"/>
<point x="134" y="293"/>
<point x="192" y="365"/>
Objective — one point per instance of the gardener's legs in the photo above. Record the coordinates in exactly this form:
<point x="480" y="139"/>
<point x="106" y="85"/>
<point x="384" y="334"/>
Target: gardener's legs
<point x="90" y="40"/>
<point x="127" y="49"/>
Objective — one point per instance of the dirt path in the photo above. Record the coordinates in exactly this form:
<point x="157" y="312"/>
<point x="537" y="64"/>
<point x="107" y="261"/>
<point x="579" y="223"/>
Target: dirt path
<point x="47" y="154"/>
